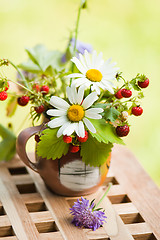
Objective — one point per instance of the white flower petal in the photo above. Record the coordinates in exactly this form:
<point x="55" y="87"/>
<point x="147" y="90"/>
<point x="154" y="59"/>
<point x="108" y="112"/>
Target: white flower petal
<point x="61" y="129"/>
<point x="80" y="95"/>
<point x="93" y="115"/>
<point x="95" y="110"/>
<point x="94" y="56"/>
<point x="59" y="103"/>
<point x="69" y="94"/>
<point x="81" y="129"/>
<point x="89" y="100"/>
<point x="55" y="112"/>
<point x="87" y="58"/>
<point x="96" y="88"/>
<point x="75" y="75"/>
<point x="89" y="125"/>
<point x="77" y="129"/>
<point x="57" y="122"/>
<point x="80" y="81"/>
<point x="106" y="86"/>
<point x="78" y="65"/>
<point x="82" y="61"/>
<point x="69" y="129"/>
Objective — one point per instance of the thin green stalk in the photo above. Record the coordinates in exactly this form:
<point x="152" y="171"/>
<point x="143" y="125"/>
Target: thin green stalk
<point x="76" y="35"/>
<point x="27" y="89"/>
<point x="105" y="194"/>
<point x="20" y="73"/>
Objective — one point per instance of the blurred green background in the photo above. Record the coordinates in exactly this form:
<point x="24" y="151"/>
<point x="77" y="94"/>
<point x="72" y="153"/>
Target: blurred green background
<point x="127" y="31"/>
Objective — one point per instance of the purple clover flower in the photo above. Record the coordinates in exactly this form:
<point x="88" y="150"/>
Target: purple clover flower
<point x="85" y="215"/>
<point x="80" y="47"/>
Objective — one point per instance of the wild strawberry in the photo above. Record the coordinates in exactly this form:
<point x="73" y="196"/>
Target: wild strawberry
<point x="73" y="148"/>
<point x="40" y="109"/>
<point x="143" y="84"/>
<point x="122" y="131"/>
<point x="22" y="101"/>
<point x="36" y="87"/>
<point x="37" y="138"/>
<point x="118" y="94"/>
<point x="67" y="139"/>
<point x="80" y="139"/>
<point x="3" y="95"/>
<point x="7" y="87"/>
<point x="44" y="89"/>
<point x="126" y="93"/>
<point x="137" y="111"/>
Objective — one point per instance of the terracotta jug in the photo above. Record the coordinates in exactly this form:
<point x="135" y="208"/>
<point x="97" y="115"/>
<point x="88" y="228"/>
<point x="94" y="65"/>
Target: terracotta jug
<point x="67" y="176"/>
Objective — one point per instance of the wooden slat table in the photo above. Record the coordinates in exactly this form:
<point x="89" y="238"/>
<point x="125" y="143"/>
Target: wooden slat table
<point x="28" y="211"/>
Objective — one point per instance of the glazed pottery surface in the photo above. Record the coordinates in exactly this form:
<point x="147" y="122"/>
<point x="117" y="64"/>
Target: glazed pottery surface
<point x="68" y="176"/>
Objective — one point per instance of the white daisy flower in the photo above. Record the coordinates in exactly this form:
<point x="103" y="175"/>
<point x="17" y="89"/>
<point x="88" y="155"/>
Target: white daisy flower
<point x="94" y="72"/>
<point x="72" y="117"/>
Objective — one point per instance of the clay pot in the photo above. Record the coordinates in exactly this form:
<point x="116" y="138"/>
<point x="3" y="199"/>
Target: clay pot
<point x="67" y="176"/>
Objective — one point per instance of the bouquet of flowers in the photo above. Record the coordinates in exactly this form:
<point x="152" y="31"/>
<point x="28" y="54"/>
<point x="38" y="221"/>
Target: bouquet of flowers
<point x="85" y="98"/>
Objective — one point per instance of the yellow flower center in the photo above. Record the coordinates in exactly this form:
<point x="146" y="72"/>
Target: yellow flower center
<point x="94" y="75"/>
<point x="75" y="113"/>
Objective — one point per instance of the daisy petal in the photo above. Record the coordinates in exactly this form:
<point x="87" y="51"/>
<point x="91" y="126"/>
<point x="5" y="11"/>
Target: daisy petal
<point x="57" y="122"/>
<point x="89" y="125"/>
<point x="96" y="88"/>
<point x="69" y="94"/>
<point x="70" y="129"/>
<point x="87" y="58"/>
<point x="80" y="95"/>
<point x="95" y="110"/>
<point x="89" y="100"/>
<point x="82" y="60"/>
<point x="81" y="129"/>
<point x="75" y="75"/>
<point x="93" y="115"/>
<point x="106" y="86"/>
<point x="59" y="103"/>
<point x="78" y="65"/>
<point x="94" y="56"/>
<point x="80" y="81"/>
<point x="55" y="112"/>
<point x="61" y="129"/>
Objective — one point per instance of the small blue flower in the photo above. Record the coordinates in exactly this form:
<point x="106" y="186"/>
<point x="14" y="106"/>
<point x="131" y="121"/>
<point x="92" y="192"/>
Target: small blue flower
<point x="85" y="215"/>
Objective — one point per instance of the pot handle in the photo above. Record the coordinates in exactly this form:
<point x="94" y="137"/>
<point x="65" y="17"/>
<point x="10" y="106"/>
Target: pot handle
<point x="22" y="139"/>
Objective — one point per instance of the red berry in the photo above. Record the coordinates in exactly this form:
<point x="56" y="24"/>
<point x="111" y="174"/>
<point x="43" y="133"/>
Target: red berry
<point x="6" y="88"/>
<point x="67" y="139"/>
<point x="37" y="138"/>
<point x="137" y="111"/>
<point x="36" y="87"/>
<point x="118" y="94"/>
<point x="73" y="148"/>
<point x="143" y="84"/>
<point x="39" y="109"/>
<point x="44" y="89"/>
<point x="80" y="139"/>
<point x="3" y="96"/>
<point x="122" y="131"/>
<point x="126" y="93"/>
<point x="22" y="101"/>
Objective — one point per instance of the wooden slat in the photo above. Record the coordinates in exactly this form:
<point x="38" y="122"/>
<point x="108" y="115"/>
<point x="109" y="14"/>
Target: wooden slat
<point x="15" y="209"/>
<point x="51" y="236"/>
<point x="144" y="193"/>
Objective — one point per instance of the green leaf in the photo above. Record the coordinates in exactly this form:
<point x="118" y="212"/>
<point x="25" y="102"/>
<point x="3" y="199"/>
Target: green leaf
<point x="30" y="67"/>
<point x="7" y="145"/>
<point x="50" y="146"/>
<point x="134" y="84"/>
<point x="41" y="59"/>
<point x="111" y="114"/>
<point x="105" y="132"/>
<point x="94" y="153"/>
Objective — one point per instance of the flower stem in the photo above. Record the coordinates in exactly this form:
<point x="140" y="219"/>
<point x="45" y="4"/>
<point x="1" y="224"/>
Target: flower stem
<point x="27" y="89"/>
<point x="76" y="35"/>
<point x="105" y="194"/>
<point x="20" y="73"/>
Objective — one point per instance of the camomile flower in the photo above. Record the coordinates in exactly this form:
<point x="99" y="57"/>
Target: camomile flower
<point x="94" y="72"/>
<point x="75" y="116"/>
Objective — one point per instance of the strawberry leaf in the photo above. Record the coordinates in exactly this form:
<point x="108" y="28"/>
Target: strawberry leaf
<point x="94" y="153"/>
<point x="105" y="132"/>
<point x="111" y="114"/>
<point x="50" y="146"/>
